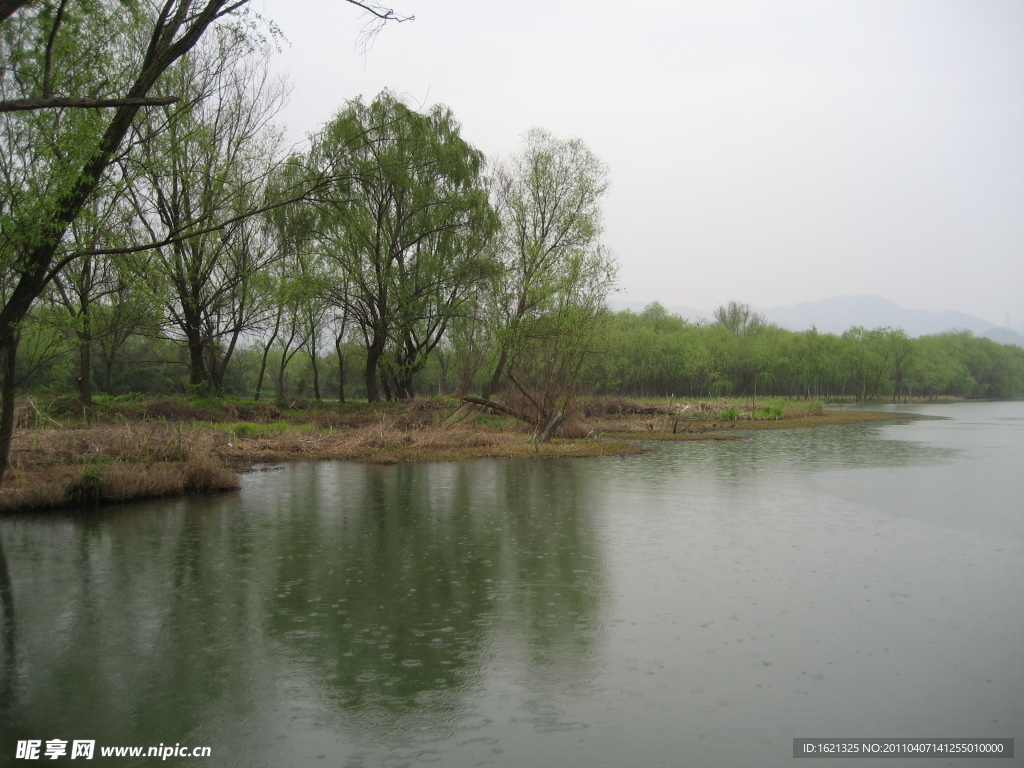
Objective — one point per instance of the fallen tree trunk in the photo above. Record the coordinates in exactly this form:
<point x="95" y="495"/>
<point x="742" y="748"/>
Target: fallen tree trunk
<point x="494" y="405"/>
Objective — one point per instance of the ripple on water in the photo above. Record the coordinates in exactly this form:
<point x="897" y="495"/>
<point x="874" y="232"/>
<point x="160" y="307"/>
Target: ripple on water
<point x="559" y="727"/>
<point x="422" y="729"/>
<point x="468" y="721"/>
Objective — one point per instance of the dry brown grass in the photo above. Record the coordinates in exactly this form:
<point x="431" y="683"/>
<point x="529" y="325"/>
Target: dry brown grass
<point x="55" y="467"/>
<point x="393" y="440"/>
<point x="85" y="486"/>
<point x="137" y="441"/>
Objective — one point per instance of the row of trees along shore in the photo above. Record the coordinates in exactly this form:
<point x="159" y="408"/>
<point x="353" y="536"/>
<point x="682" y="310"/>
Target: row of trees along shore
<point x="636" y="354"/>
<point x="655" y="353"/>
<point x="157" y="236"/>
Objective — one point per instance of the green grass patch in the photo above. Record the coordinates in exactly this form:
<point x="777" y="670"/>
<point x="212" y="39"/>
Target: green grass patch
<point x="492" y="420"/>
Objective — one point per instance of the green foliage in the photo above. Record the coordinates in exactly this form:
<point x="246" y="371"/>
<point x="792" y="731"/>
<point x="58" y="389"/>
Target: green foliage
<point x="202" y="393"/>
<point x="407" y="228"/>
<point x="207" y="163"/>
<point x="730" y="414"/>
<point x="650" y="354"/>
<point x="739" y="319"/>
<point x="767" y="413"/>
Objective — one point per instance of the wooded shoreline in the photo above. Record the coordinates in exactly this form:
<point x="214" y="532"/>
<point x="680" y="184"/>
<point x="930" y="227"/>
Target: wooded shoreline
<point x="66" y="457"/>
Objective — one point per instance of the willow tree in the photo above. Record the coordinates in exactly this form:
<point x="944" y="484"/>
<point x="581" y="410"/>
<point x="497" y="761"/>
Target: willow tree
<point x="550" y="295"/>
<point x="406" y="226"/>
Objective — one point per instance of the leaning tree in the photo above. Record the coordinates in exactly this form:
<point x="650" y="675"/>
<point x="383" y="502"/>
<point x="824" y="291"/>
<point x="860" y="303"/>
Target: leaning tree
<point x="549" y="297"/>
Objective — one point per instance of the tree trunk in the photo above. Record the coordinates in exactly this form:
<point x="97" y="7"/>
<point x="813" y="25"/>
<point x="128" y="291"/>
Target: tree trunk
<point x="316" y="376"/>
<point x="280" y="373"/>
<point x="341" y="370"/>
<point x="8" y="7"/>
<point x="84" y="368"/>
<point x="373" y="353"/>
<point x="550" y="428"/>
<point x="262" y="373"/>
<point x="8" y="362"/>
<point x="220" y="361"/>
<point x="266" y="354"/>
<point x="499" y="369"/>
<point x="196" y="357"/>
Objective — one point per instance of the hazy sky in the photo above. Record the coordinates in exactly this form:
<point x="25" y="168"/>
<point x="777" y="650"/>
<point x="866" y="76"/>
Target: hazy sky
<point x="770" y="151"/>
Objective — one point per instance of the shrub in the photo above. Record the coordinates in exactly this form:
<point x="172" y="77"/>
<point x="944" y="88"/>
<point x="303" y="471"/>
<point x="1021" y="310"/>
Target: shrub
<point x="730" y="413"/>
<point x="767" y="413"/>
<point x="88" y="491"/>
<point x="201" y="391"/>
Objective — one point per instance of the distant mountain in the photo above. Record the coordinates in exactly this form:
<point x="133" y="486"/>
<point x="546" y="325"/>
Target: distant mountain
<point x="837" y="314"/>
<point x="1004" y="336"/>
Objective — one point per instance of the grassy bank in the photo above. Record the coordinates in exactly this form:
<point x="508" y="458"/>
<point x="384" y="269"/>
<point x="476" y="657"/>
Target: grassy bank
<point x="121" y="449"/>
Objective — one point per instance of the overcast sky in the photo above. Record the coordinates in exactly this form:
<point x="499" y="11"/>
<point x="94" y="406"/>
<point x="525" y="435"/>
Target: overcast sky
<point x="769" y="151"/>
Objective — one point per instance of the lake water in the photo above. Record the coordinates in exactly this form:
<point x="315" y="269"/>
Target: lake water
<point x="699" y="606"/>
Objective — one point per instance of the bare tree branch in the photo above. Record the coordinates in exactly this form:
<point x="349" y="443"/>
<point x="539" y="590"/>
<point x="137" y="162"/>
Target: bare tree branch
<point x="26" y="105"/>
<point x="380" y="12"/>
<point x="196" y="233"/>
<point x="381" y="16"/>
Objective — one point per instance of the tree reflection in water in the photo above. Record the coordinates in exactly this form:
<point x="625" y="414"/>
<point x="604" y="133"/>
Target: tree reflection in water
<point x="363" y="601"/>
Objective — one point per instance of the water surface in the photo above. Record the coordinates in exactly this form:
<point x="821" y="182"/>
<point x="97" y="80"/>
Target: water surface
<point x="702" y="605"/>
